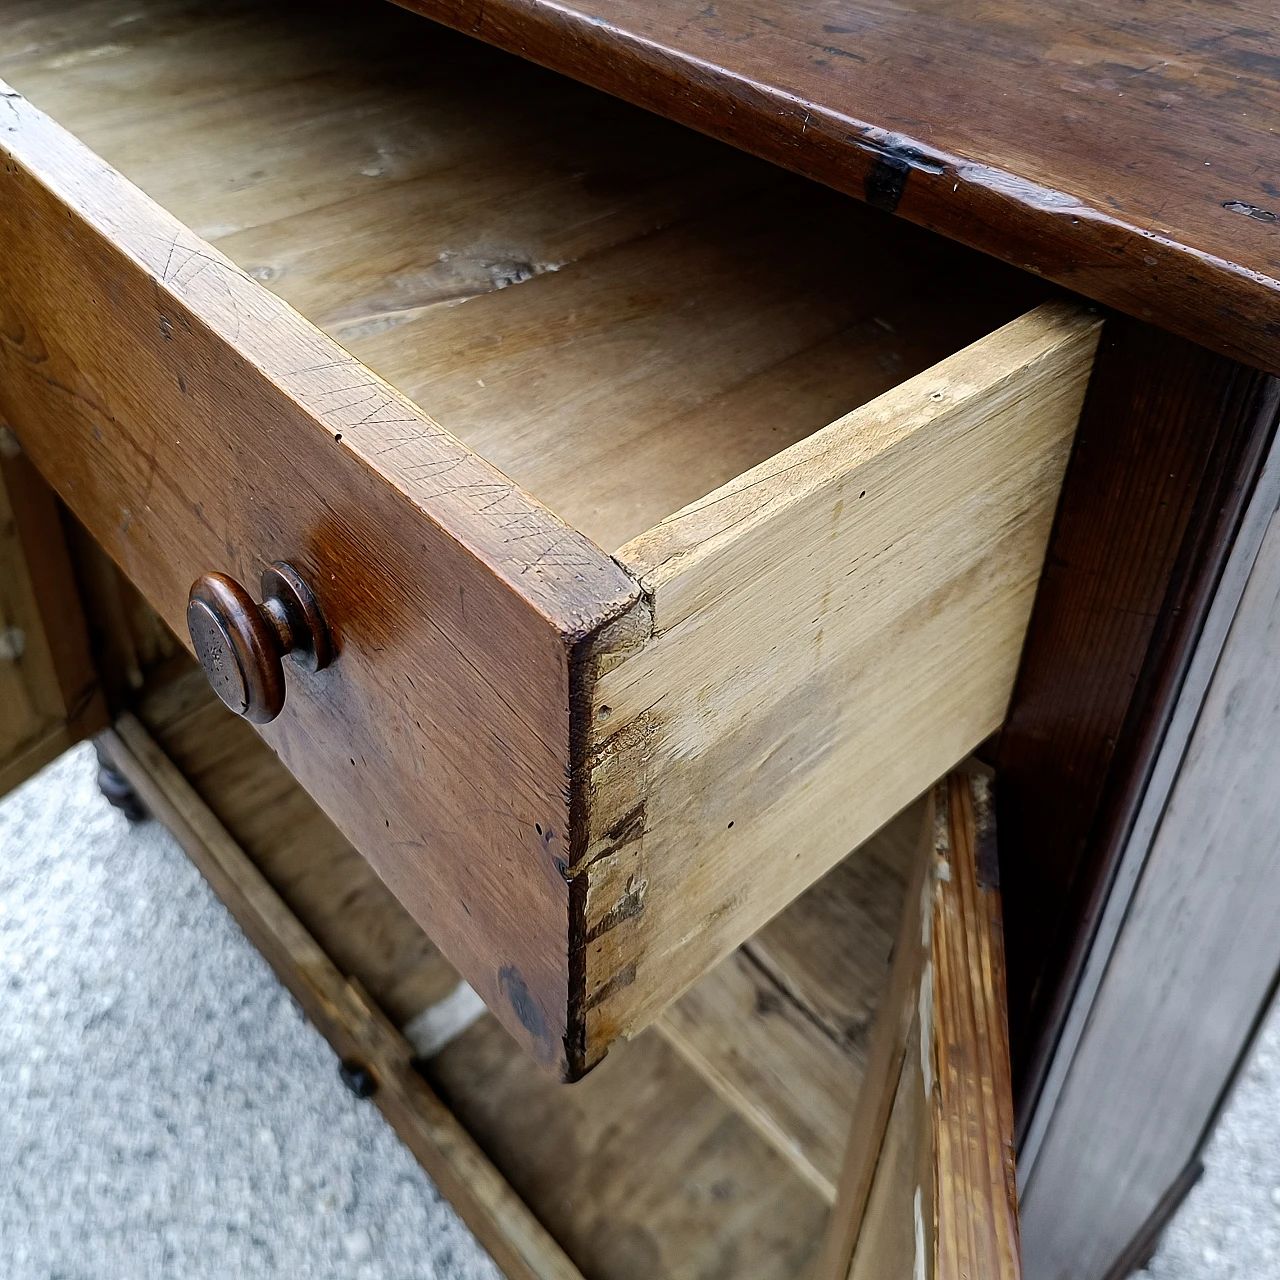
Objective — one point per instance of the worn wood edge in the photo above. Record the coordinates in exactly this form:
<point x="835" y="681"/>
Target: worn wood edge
<point x="952" y="195"/>
<point x="1050" y="338"/>
<point x="948" y="977"/>
<point x="559" y="572"/>
<point x="976" y="1195"/>
<point x="589" y="660"/>
<point x="353" y="1025"/>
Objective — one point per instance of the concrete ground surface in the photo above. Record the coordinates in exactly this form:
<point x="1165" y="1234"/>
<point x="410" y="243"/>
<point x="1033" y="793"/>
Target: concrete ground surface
<point x="166" y="1110"/>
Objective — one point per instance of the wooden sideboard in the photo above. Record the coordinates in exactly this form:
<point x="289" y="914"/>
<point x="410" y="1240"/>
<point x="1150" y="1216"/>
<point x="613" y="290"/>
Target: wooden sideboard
<point x="655" y="523"/>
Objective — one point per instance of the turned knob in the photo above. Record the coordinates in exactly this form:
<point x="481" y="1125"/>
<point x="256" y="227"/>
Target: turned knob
<point x="240" y="644"/>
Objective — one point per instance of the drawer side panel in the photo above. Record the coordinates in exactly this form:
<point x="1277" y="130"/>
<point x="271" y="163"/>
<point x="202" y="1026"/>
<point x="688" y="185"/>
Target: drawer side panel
<point x="832" y="631"/>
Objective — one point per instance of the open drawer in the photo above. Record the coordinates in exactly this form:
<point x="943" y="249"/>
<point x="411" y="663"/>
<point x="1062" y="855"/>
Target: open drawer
<point x="717" y="547"/>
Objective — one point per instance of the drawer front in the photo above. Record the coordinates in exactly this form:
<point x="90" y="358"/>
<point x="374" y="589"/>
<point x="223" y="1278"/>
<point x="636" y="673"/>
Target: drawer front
<point x="194" y="422"/>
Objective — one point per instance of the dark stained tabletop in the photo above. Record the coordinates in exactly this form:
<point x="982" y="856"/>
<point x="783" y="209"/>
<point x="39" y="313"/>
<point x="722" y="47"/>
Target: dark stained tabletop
<point x="1129" y="150"/>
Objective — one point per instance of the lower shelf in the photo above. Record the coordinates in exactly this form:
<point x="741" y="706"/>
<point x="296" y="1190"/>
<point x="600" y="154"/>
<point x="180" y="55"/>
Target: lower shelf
<point x="781" y="1028"/>
<point x="658" y="1164"/>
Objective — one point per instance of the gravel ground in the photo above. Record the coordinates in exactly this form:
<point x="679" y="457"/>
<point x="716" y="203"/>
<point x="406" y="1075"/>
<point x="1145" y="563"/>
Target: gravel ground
<point x="168" y="1112"/>
<point x="1229" y="1226"/>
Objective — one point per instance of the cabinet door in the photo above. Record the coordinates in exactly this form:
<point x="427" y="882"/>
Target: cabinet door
<point x="928" y="1189"/>
<point x="49" y="692"/>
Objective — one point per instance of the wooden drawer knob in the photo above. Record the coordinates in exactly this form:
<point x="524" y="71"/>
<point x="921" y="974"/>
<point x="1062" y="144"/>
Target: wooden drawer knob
<point x="240" y="644"/>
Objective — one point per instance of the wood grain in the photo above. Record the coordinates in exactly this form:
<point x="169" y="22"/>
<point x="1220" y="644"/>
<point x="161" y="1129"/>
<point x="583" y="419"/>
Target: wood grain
<point x="195" y="422"/>
<point x="354" y="1026"/>
<point x="639" y="1170"/>
<point x="50" y="697"/>
<point x="800" y="686"/>
<point x="1126" y="154"/>
<point x="617" y="313"/>
<point x="1170" y="442"/>
<point x="781" y="1028"/>
<point x="928" y="1188"/>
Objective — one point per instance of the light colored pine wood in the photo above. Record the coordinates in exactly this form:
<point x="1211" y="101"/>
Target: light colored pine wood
<point x="831" y="631"/>
<point x="347" y="1018"/>
<point x="619" y="314"/>
<point x="781" y="1028"/>
<point x="928" y="1187"/>
<point x="639" y="1170"/>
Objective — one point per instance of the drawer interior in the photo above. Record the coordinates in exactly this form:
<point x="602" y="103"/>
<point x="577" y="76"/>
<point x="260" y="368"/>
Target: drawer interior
<point x="618" y="313"/>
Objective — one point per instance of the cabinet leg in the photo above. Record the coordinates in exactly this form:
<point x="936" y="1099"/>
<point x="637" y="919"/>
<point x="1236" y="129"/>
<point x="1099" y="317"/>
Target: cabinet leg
<point x="115" y="786"/>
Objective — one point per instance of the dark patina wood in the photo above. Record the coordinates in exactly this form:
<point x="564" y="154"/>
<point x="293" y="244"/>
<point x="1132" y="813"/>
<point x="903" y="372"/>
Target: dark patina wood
<point x="1170" y="442"/>
<point x="1128" y="152"/>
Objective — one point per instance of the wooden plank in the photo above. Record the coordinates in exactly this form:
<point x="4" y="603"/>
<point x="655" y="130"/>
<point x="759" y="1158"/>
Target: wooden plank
<point x="49" y="692"/>
<point x="617" y="313"/>
<point x="781" y="1028"/>
<point x="623" y="387"/>
<point x="1181" y="434"/>
<point x="1126" y="155"/>
<point x="1192" y="973"/>
<point x="355" y="1027"/>
<point x="928" y="1188"/>
<point x="194" y="422"/>
<point x="800" y="685"/>
<point x="639" y="1169"/>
